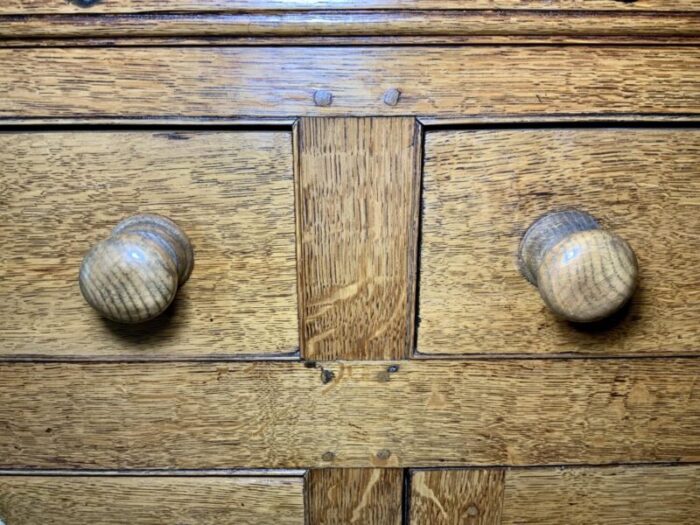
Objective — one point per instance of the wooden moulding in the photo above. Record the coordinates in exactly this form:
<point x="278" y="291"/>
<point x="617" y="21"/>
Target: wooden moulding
<point x="643" y="494"/>
<point x="349" y="414"/>
<point x="24" y="7"/>
<point x="335" y="23"/>
<point x="446" y="82"/>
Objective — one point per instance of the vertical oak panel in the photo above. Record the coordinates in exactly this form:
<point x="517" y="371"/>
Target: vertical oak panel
<point x="473" y="497"/>
<point x="361" y="496"/>
<point x="358" y="184"/>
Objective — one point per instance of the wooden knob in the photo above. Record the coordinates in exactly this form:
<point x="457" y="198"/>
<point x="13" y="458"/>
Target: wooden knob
<point x="133" y="275"/>
<point x="583" y="273"/>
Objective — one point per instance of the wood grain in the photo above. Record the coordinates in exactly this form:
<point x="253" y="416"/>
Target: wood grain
<point x="232" y="192"/>
<point x="358" y="228"/>
<point x="355" y="496"/>
<point x="349" y="414"/>
<point x="644" y="495"/>
<point x="469" y="497"/>
<point x="23" y="7"/>
<point x="483" y="188"/>
<point x="357" y="23"/>
<point x="109" y="500"/>
<point x="273" y="81"/>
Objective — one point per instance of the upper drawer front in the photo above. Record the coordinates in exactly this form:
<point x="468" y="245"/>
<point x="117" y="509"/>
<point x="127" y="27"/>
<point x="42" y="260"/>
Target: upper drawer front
<point x="483" y="188"/>
<point x="109" y="500"/>
<point x="133" y="6"/>
<point x="231" y="192"/>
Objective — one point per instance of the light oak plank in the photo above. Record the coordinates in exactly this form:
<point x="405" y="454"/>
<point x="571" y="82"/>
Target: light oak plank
<point x="349" y="414"/>
<point x="355" y="496"/>
<point x="109" y="500"/>
<point x="357" y="23"/>
<point x="231" y="192"/>
<point x="358" y="223"/>
<point x="272" y="81"/>
<point x="483" y="188"/>
<point x="446" y="497"/>
<point x="643" y="495"/>
<point x="22" y="7"/>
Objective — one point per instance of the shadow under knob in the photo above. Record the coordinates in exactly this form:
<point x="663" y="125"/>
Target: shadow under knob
<point x="583" y="273"/>
<point x="133" y="276"/>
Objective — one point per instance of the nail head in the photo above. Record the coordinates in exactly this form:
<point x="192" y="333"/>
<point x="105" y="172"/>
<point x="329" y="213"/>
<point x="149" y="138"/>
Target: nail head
<point x="323" y="98"/>
<point x="392" y="96"/>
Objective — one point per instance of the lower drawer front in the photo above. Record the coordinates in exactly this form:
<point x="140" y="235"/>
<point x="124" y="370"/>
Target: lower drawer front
<point x="484" y="187"/>
<point x="116" y="500"/>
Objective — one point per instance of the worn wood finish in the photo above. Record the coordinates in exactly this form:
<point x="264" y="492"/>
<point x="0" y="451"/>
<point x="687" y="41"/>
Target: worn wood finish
<point x="644" y="495"/>
<point x="483" y="188"/>
<point x="269" y="81"/>
<point x="232" y="192"/>
<point x="358" y="206"/>
<point x="133" y="275"/>
<point x="366" y="414"/>
<point x="355" y="496"/>
<point x="447" y="497"/>
<point x="357" y="23"/>
<point x="583" y="273"/>
<point x="23" y="7"/>
<point x="109" y="500"/>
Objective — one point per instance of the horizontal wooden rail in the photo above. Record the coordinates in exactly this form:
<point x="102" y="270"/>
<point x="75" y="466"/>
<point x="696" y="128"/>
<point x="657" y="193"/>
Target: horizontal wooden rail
<point x="357" y="23"/>
<point x="343" y="414"/>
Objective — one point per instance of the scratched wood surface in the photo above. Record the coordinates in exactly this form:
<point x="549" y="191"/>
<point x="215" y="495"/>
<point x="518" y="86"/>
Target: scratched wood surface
<point x="274" y="81"/>
<point x="358" y="230"/>
<point x="644" y="495"/>
<point x="357" y="23"/>
<point x="231" y="192"/>
<point x="483" y="188"/>
<point x="115" y="500"/>
<point x="134" y="6"/>
<point x="349" y="414"/>
<point x="355" y="496"/>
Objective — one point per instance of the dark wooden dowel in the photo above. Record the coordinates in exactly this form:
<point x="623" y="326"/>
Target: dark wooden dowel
<point x="583" y="273"/>
<point x="133" y="275"/>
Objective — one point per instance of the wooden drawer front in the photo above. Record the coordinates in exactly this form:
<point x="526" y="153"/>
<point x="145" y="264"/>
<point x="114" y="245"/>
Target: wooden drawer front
<point x="643" y="495"/>
<point x="107" y="500"/>
<point x="483" y="188"/>
<point x="232" y="192"/>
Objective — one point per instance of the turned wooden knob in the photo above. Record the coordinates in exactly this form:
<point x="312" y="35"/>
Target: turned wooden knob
<point x="583" y="273"/>
<point x="133" y="275"/>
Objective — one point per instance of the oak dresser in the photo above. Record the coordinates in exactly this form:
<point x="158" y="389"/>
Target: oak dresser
<point x="446" y="262"/>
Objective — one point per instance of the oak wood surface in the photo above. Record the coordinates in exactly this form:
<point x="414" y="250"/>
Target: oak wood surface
<point x="355" y="496"/>
<point x="358" y="182"/>
<point x="22" y="7"/>
<point x="644" y="495"/>
<point x="110" y="500"/>
<point x="349" y="414"/>
<point x="446" y="497"/>
<point x="354" y="23"/>
<point x="269" y="81"/>
<point x="483" y="188"/>
<point x="232" y="192"/>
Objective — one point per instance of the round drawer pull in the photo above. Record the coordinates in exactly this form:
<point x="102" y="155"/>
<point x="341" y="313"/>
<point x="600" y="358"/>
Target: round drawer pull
<point x="583" y="273"/>
<point x="133" y="275"/>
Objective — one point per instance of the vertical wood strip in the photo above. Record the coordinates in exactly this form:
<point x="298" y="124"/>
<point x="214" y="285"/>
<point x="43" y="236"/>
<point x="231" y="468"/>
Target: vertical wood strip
<point x="354" y="496"/>
<point x="473" y="497"/>
<point x="358" y="230"/>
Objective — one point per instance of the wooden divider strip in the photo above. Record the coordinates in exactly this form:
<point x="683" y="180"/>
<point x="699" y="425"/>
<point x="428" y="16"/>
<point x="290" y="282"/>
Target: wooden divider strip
<point x="355" y="496"/>
<point x="341" y="414"/>
<point x="358" y="223"/>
